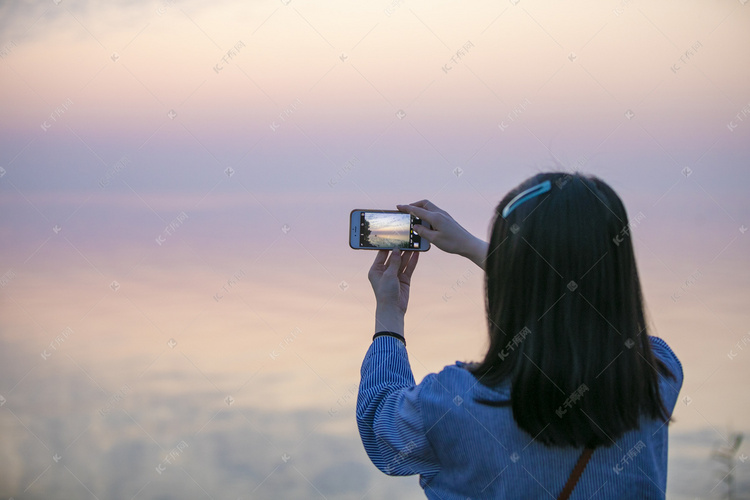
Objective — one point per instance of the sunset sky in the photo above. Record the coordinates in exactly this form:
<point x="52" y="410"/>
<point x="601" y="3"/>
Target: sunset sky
<point x="176" y="179"/>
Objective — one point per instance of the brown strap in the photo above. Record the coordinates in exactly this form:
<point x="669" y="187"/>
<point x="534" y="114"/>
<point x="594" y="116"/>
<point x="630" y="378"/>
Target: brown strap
<point x="576" y="473"/>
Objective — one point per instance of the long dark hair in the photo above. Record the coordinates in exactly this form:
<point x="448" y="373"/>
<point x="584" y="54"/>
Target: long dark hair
<point x="565" y="315"/>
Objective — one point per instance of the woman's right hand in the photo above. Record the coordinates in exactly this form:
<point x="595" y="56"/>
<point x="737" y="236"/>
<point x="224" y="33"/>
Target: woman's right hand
<point x="445" y="233"/>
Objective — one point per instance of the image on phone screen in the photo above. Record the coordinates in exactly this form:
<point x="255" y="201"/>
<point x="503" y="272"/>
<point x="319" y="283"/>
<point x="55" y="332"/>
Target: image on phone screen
<point x="389" y="230"/>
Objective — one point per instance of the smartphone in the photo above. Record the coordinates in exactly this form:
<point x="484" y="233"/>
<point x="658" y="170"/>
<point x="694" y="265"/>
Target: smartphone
<point x="385" y="229"/>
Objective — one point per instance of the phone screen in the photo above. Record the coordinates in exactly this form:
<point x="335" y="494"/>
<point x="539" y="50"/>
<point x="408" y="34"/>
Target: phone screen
<point x="381" y="229"/>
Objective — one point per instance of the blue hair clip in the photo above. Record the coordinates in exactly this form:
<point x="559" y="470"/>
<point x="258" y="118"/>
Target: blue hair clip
<point x="526" y="195"/>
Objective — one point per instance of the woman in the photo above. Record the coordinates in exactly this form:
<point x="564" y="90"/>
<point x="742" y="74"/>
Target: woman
<point x="573" y="395"/>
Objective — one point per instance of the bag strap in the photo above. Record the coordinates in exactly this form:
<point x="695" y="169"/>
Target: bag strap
<point x="576" y="473"/>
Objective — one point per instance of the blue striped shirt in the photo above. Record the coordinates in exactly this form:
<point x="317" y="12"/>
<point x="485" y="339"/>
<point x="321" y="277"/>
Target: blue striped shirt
<point x="463" y="449"/>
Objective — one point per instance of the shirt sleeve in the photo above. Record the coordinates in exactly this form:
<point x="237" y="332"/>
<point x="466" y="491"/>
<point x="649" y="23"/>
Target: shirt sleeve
<point x="388" y="412"/>
<point x="665" y="353"/>
<point x="669" y="386"/>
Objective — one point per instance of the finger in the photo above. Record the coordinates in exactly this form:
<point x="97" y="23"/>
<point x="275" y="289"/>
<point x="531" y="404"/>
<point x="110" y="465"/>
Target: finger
<point x="394" y="262"/>
<point x="381" y="257"/>
<point x="422" y="213"/>
<point x="405" y="256"/>
<point x="427" y="204"/>
<point x="411" y="264"/>
<point x="379" y="262"/>
<point x="424" y="204"/>
<point x="426" y="232"/>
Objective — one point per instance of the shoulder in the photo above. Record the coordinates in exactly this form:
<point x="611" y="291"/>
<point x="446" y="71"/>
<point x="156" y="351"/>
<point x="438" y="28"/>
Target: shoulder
<point x="452" y="379"/>
<point x="663" y="352"/>
<point x="669" y="387"/>
<point x="455" y="383"/>
<point x="455" y="375"/>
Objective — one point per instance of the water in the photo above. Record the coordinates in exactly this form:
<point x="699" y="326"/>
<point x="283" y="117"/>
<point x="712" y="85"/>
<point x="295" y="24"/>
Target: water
<point x="163" y="389"/>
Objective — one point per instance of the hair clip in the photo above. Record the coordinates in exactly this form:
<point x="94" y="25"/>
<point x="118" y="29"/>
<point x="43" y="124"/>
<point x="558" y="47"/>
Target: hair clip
<point x="526" y="195"/>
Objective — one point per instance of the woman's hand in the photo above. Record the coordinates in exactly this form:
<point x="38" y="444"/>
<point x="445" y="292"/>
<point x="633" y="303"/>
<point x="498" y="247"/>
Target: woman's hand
<point x="390" y="277"/>
<point x="447" y="234"/>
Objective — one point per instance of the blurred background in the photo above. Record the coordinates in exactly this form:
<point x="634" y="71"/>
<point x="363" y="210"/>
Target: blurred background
<point x="180" y="313"/>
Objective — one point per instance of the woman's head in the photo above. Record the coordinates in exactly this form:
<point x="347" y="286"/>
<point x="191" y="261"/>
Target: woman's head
<point x="565" y="313"/>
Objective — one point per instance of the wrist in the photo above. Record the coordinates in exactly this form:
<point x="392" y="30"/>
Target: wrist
<point x="476" y="251"/>
<point x="389" y="319"/>
<point x="390" y="334"/>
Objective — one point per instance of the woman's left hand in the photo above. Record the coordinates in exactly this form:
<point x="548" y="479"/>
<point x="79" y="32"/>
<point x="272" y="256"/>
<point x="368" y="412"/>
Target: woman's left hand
<point x="390" y="277"/>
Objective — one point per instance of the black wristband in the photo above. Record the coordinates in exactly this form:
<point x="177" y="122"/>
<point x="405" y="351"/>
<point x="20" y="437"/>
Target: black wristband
<point x="390" y="334"/>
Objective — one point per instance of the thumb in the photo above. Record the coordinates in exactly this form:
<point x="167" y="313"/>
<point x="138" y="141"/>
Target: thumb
<point x="425" y="232"/>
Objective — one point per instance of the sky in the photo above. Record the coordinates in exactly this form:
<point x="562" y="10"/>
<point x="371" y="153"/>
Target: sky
<point x="176" y="180"/>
